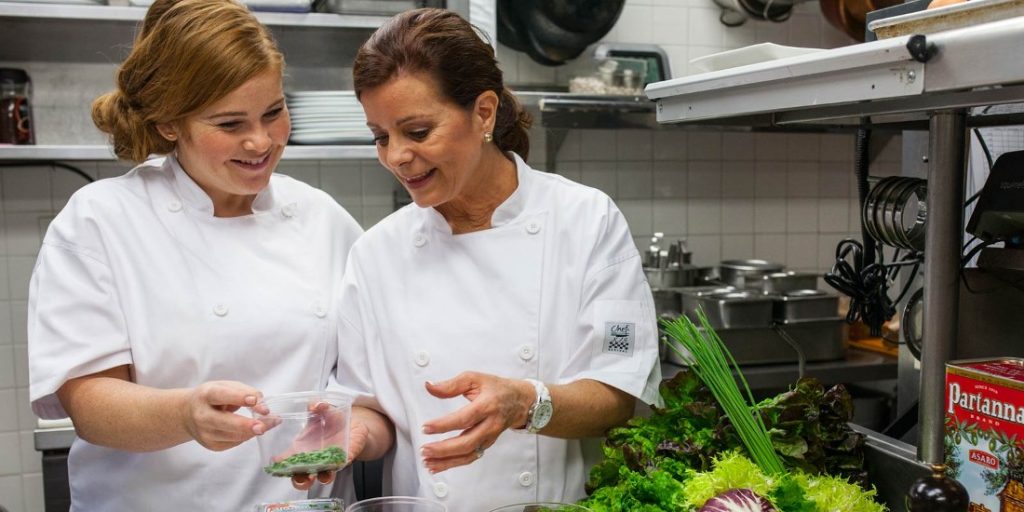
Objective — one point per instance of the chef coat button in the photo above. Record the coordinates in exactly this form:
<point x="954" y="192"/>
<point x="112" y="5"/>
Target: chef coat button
<point x="220" y="310"/>
<point x="422" y="358"/>
<point x="440" y="489"/>
<point x="288" y="210"/>
<point x="533" y="228"/>
<point x="419" y="241"/>
<point x="319" y="310"/>
<point x="174" y="206"/>
<point x="526" y="352"/>
<point x="526" y="479"/>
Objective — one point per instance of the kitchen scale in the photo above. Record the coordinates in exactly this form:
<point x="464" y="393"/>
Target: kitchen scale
<point x="999" y="214"/>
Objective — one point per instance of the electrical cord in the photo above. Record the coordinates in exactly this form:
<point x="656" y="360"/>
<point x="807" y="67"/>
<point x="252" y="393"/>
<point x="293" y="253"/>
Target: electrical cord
<point x="866" y="286"/>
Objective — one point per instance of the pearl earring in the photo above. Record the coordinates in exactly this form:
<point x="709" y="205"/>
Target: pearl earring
<point x="488" y="137"/>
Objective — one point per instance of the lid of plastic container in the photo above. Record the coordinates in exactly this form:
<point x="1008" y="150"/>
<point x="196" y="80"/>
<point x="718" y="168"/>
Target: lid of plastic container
<point x="13" y="76"/>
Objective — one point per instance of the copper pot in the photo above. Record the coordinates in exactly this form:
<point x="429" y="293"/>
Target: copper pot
<point x="850" y="15"/>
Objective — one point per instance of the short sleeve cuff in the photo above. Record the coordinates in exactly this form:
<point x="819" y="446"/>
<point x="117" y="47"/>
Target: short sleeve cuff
<point x="646" y="390"/>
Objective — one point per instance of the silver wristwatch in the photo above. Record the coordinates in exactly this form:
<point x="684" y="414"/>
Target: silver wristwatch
<point x="540" y="412"/>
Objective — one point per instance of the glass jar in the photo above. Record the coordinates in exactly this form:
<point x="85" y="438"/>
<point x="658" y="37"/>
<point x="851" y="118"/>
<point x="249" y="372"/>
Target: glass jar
<point x="15" y="107"/>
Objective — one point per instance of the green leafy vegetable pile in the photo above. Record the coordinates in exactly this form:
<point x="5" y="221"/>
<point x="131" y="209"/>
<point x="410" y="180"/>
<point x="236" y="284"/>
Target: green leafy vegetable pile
<point x="689" y="451"/>
<point x="327" y="459"/>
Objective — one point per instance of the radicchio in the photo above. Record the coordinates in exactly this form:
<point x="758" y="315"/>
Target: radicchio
<point x="738" y="500"/>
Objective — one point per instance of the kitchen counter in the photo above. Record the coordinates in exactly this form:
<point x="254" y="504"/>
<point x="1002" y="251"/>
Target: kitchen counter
<point x="54" y="438"/>
<point x="54" y="434"/>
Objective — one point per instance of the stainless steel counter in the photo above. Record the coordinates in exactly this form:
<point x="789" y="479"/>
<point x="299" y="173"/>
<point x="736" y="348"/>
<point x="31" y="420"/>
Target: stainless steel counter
<point x="54" y="438"/>
<point x="856" y="366"/>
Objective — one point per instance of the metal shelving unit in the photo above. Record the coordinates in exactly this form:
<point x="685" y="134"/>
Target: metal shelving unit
<point x="873" y="84"/>
<point x="30" y="26"/>
<point x="133" y="14"/>
<point x="103" y="153"/>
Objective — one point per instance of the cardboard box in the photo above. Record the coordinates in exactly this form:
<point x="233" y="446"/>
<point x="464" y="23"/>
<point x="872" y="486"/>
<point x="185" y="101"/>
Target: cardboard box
<point x="984" y="431"/>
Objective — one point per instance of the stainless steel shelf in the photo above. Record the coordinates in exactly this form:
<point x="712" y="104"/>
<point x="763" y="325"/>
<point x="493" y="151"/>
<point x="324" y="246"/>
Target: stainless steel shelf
<point x="880" y="82"/>
<point x="103" y="153"/>
<point x="841" y="87"/>
<point x="353" y="152"/>
<point x="134" y="14"/>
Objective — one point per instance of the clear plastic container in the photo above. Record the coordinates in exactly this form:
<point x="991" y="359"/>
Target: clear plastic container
<point x="397" y="504"/>
<point x="542" y="507"/>
<point x="306" y="433"/>
<point x="328" y="504"/>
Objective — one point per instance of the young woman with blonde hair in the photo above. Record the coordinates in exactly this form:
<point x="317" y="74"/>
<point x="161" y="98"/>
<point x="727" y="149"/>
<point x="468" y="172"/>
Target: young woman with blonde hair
<point x="166" y="300"/>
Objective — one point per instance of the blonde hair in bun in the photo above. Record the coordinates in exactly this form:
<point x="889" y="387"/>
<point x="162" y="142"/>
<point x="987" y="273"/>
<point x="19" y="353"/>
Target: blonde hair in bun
<point x="188" y="55"/>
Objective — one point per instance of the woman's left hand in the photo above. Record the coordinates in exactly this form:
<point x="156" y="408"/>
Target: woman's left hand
<point x="496" y="404"/>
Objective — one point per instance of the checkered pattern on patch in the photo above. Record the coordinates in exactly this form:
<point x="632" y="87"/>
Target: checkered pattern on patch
<point x="618" y="338"/>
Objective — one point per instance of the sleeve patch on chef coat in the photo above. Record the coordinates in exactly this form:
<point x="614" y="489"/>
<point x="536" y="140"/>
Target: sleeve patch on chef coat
<point x="618" y="338"/>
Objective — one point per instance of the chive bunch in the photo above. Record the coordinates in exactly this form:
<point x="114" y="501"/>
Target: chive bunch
<point x="702" y="349"/>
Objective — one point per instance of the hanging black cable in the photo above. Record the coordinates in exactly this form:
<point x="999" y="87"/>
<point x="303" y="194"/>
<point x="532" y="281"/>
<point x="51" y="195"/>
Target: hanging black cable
<point x="862" y="159"/>
<point x="58" y="165"/>
<point x="856" y="273"/>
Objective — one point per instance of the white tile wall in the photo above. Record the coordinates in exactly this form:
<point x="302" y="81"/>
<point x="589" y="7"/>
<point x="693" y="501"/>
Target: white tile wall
<point x="731" y="194"/>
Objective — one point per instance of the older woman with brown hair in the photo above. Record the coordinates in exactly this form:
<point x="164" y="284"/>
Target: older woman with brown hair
<point x="165" y="300"/>
<point x="505" y="299"/>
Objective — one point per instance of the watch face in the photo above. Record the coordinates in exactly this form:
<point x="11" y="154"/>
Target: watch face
<point x="541" y="415"/>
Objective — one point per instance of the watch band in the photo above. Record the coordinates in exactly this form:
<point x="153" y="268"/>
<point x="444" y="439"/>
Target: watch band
<point x="540" y="412"/>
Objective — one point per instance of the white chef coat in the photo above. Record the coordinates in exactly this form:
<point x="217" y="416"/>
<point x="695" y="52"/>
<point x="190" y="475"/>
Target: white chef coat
<point x="553" y="291"/>
<point x="137" y="270"/>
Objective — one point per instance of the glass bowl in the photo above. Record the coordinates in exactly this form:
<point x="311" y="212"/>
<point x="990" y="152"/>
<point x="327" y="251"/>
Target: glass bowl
<point x="328" y="504"/>
<point x="306" y="432"/>
<point x="397" y="504"/>
<point x="541" y="507"/>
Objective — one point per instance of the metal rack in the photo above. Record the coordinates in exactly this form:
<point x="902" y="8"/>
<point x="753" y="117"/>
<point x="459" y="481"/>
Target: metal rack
<point x="101" y="34"/>
<point x="85" y="13"/>
<point x="40" y="153"/>
<point x="925" y="85"/>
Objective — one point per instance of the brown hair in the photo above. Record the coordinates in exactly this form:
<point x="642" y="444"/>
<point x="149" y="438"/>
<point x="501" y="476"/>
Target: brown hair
<point x="187" y="55"/>
<point x="443" y="44"/>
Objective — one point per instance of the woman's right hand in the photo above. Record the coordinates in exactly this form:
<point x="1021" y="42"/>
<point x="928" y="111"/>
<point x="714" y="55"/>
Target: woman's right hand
<point x="210" y="418"/>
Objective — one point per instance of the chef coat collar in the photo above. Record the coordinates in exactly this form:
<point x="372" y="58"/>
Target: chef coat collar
<point x="195" y="197"/>
<point x="505" y="213"/>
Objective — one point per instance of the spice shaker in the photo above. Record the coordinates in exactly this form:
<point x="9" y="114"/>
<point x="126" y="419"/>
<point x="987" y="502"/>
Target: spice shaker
<point x="15" y="107"/>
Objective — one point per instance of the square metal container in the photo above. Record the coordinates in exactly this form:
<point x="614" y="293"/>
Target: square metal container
<point x="818" y="340"/>
<point x="782" y="282"/>
<point x="803" y="305"/>
<point x="735" y="310"/>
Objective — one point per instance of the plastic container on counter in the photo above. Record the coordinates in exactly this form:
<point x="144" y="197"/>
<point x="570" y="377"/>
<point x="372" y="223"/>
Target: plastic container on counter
<point x="542" y="507"/>
<point x="306" y="432"/>
<point x="397" y="504"/>
<point x="328" y="504"/>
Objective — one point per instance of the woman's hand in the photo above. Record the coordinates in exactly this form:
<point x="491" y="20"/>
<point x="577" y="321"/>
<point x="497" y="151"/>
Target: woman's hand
<point x="323" y="430"/>
<point x="362" y="424"/>
<point x="496" y="404"/>
<point x="210" y="418"/>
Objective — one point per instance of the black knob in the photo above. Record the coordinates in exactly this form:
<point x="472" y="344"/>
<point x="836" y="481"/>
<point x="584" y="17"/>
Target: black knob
<point x="920" y="49"/>
<point x="937" y="493"/>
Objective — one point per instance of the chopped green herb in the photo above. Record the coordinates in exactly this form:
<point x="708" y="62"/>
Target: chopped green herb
<point x="328" y="459"/>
